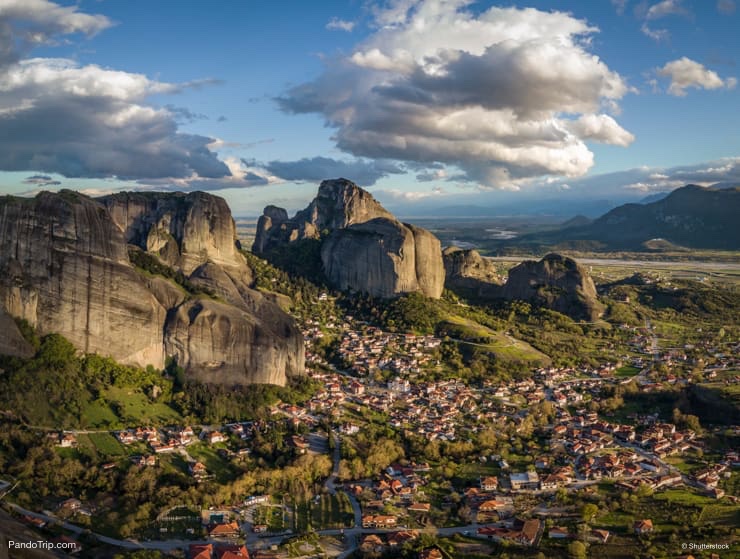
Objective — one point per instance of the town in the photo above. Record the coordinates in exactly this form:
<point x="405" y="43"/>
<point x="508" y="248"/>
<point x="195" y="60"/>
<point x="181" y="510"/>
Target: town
<point x="535" y="453"/>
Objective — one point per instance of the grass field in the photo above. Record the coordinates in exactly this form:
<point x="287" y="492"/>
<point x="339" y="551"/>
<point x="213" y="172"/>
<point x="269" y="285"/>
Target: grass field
<point x="106" y="444"/>
<point x="332" y="511"/>
<point x="99" y="414"/>
<point x="136" y="408"/>
<point x="273" y="517"/>
<point x="505" y="347"/>
<point x="684" y="497"/>
<point x="725" y="515"/>
<point x="627" y="371"/>
<point x="213" y="462"/>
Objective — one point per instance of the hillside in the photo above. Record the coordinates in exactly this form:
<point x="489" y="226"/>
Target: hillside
<point x="691" y="216"/>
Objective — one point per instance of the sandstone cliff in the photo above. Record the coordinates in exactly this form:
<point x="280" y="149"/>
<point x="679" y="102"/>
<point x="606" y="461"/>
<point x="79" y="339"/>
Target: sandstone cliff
<point x="364" y="248"/>
<point x="339" y="203"/>
<point x="557" y="282"/>
<point x="467" y="270"/>
<point x="64" y="267"/>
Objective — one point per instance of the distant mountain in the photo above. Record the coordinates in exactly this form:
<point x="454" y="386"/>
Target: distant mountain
<point x="725" y="185"/>
<point x="577" y="221"/>
<point x="650" y="198"/>
<point x="691" y="216"/>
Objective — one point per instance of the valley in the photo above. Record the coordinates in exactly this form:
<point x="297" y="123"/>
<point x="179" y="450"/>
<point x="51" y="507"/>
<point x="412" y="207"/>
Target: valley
<point x="481" y="419"/>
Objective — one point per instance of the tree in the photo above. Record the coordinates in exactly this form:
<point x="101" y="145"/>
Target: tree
<point x="577" y="550"/>
<point x="588" y="511"/>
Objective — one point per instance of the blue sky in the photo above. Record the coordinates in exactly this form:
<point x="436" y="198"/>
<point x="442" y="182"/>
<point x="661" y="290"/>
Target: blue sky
<point x="426" y="102"/>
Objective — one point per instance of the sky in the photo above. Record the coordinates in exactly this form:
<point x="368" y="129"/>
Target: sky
<point x="427" y="103"/>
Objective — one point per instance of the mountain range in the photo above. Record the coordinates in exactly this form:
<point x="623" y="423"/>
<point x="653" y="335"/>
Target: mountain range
<point x="691" y="216"/>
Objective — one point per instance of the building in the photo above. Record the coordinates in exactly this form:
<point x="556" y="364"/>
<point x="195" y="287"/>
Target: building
<point x="643" y="527"/>
<point x="225" y="530"/>
<point x="525" y="481"/>
<point x="489" y="483"/>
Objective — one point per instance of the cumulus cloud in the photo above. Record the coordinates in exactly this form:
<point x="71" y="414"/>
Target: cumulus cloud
<point x="336" y="24"/>
<point x="25" y="24"/>
<point x="315" y="169"/>
<point x="497" y="94"/>
<point x="57" y="116"/>
<point x="601" y="128"/>
<point x="685" y="73"/>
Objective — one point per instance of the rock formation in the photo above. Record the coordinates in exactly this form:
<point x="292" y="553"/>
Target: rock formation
<point x="64" y="267"/>
<point x="557" y="282"/>
<point x="12" y="341"/>
<point x="365" y="249"/>
<point x="468" y="270"/>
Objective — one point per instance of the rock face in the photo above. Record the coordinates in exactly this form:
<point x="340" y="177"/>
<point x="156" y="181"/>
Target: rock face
<point x="384" y="258"/>
<point x="339" y="203"/>
<point x="557" y="282"/>
<point x="12" y="341"/>
<point x="466" y="269"/>
<point x="64" y="267"/>
<point x="365" y="249"/>
<point x="183" y="230"/>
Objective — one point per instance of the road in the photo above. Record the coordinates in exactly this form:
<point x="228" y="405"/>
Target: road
<point x="351" y="535"/>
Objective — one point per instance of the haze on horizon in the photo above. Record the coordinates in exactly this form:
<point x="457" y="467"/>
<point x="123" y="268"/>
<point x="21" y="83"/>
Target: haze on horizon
<point x="429" y="103"/>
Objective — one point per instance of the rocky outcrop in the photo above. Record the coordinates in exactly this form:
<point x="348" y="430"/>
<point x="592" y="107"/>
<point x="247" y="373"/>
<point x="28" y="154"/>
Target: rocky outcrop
<point x="468" y="270"/>
<point x="64" y="267"/>
<point x="222" y="341"/>
<point x="557" y="282"/>
<point x="339" y="203"/>
<point x="365" y="249"/>
<point x="183" y="230"/>
<point x="384" y="258"/>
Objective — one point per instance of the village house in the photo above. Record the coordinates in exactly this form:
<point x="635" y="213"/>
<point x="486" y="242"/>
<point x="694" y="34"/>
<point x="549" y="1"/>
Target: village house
<point x="379" y="521"/>
<point x="642" y="527"/>
<point x="216" y="437"/>
<point x="224" y="530"/>
<point x="524" y="481"/>
<point x="489" y="483"/>
<point x="67" y="440"/>
<point x="372" y="543"/>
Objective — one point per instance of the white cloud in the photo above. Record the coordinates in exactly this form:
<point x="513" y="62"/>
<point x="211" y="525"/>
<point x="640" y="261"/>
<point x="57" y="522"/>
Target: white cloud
<point x="666" y="8"/>
<point x="601" y="128"/>
<point x="657" y="35"/>
<point x="397" y="195"/>
<point x="336" y="24"/>
<point x="685" y="73"/>
<point x="487" y="92"/>
<point x="57" y="116"/>
<point x="655" y="179"/>
<point x="42" y="21"/>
